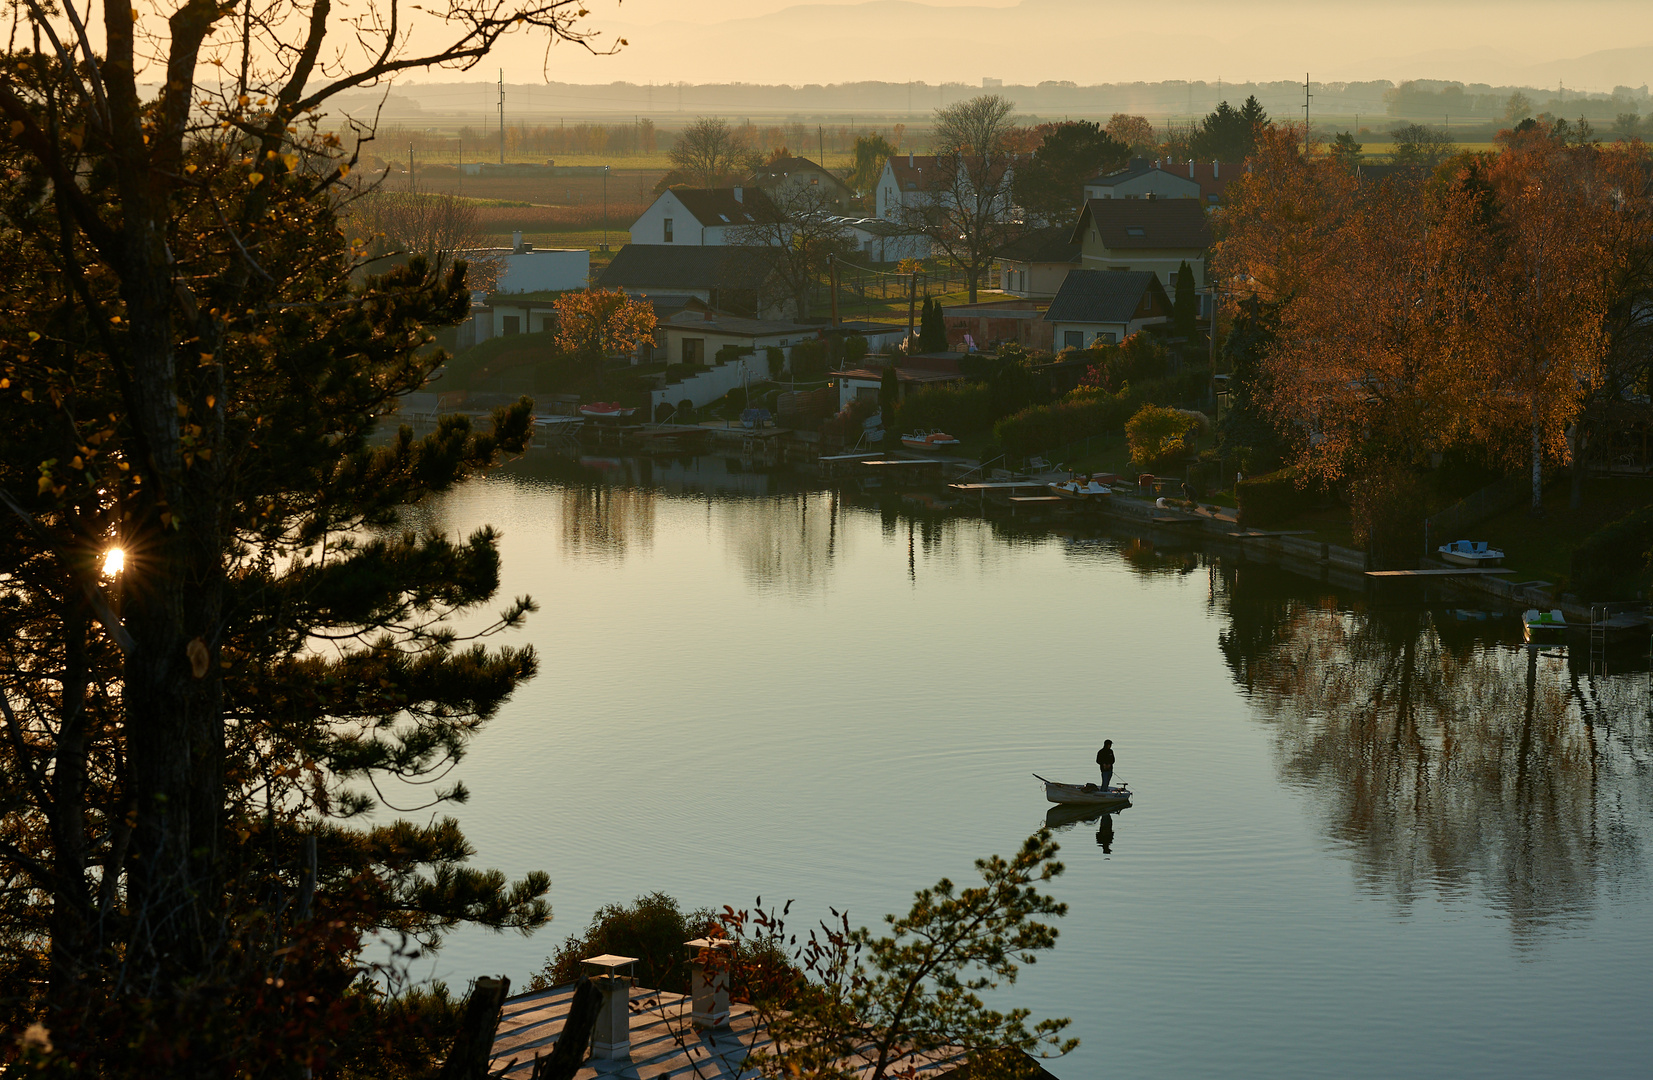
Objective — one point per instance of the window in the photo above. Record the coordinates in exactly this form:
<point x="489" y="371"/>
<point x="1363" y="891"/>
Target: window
<point x="1073" y="339"/>
<point x="866" y="393"/>
<point x="668" y="230"/>
<point x="1134" y="231"/>
<point x="511" y="324"/>
<point x="694" y="350"/>
<point x="548" y="323"/>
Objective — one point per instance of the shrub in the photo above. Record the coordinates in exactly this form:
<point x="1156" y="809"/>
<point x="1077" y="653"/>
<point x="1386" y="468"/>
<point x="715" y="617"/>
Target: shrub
<point x="955" y="409"/>
<point x="1156" y="433"/>
<point x="1276" y="497"/>
<point x="685" y="411"/>
<point x="730" y="353"/>
<point x="809" y="360"/>
<point x="652" y="928"/>
<point x="661" y="412"/>
<point x="855" y="349"/>
<point x="777" y="360"/>
<point x="1087" y="412"/>
<point x="1616" y="561"/>
<point x="1137" y="359"/>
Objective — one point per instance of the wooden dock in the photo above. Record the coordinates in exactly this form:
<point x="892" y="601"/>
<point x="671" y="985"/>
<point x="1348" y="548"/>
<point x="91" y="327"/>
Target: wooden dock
<point x="1465" y="571"/>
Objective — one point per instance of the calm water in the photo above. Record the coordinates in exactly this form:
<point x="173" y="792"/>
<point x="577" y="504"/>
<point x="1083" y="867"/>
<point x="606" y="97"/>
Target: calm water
<point x="1369" y="839"/>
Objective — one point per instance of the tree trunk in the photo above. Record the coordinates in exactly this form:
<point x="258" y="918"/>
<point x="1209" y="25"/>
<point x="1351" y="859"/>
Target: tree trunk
<point x="1580" y="469"/>
<point x="475" y="1042"/>
<point x="1537" y="466"/>
<point x="971" y="275"/>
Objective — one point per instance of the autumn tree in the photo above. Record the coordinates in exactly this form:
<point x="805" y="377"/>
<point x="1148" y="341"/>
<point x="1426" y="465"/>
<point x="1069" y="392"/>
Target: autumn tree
<point x="196" y="728"/>
<point x="1346" y="150"/>
<point x="432" y="224"/>
<point x="1132" y="131"/>
<point x="964" y="207"/>
<point x="594" y="324"/>
<point x="708" y="153"/>
<point x="1050" y="186"/>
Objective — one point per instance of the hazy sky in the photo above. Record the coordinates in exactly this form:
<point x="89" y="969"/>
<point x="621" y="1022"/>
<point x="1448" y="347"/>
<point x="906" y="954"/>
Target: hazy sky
<point x="1088" y="42"/>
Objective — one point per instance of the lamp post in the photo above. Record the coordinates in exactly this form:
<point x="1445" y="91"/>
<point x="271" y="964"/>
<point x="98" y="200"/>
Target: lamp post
<point x="605" y="207"/>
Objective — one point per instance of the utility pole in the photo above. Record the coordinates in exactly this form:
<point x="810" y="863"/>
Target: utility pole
<point x="912" y="298"/>
<point x="832" y="268"/>
<point x="605" y="207"/>
<point x="410" y="166"/>
<point x="820" y="146"/>
<point x="1306" y="98"/>
<point x="502" y="116"/>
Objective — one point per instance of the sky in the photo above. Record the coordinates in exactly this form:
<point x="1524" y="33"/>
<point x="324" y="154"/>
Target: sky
<point x="1586" y="44"/>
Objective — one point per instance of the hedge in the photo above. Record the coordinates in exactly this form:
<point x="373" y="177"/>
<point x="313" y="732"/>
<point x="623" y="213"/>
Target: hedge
<point x="1087" y="412"/>
<point x="1157" y="434"/>
<point x="957" y="409"/>
<point x="1275" y="498"/>
<point x="1613" y="562"/>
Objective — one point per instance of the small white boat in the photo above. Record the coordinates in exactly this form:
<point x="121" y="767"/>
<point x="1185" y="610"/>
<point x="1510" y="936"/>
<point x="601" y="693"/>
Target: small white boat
<point x="929" y="440"/>
<point x="1536" y="622"/>
<point x="1084" y="794"/>
<point x="1470" y="553"/>
<point x="1081" y="489"/>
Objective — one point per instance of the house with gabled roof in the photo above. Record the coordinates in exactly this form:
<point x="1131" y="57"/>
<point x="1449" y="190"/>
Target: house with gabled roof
<point x="1036" y="264"/>
<point x="1154" y="235"/>
<point x="729" y="278"/>
<point x="788" y="177"/>
<point x="1142" y="178"/>
<point x="913" y="181"/>
<point x="1104" y="307"/>
<point x="702" y="217"/>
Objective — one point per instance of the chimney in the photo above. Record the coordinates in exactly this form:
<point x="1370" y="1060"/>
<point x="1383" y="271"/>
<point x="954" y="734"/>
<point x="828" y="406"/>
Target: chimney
<point x="1214" y="170"/>
<point x="612" y="1037"/>
<point x="740" y="193"/>
<point x="1190" y="168"/>
<point x="910" y="159"/>
<point x="516" y="240"/>
<point x="709" y="981"/>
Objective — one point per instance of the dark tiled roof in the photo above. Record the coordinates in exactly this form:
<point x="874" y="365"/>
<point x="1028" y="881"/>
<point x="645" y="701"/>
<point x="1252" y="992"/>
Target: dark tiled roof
<point x="923" y="173"/>
<point x="1212" y="177"/>
<point x="783" y="168"/>
<point x="666" y="267"/>
<point x="1049" y="245"/>
<point x="1107" y="296"/>
<point x="718" y="206"/>
<point x="1135" y="167"/>
<point x="1126" y="224"/>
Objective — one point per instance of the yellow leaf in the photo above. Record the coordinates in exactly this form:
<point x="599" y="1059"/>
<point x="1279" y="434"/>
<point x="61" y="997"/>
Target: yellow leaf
<point x="183" y="410"/>
<point x="45" y="485"/>
<point x="211" y="399"/>
<point x="253" y="178"/>
<point x="77" y="463"/>
<point x="134" y="14"/>
<point x="16" y="128"/>
<point x="33" y="337"/>
<point x="191" y="167"/>
<point x="290" y="160"/>
<point x="28" y="395"/>
<point x="344" y="170"/>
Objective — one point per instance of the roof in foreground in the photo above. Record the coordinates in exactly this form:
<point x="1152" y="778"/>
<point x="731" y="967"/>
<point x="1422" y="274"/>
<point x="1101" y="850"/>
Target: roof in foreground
<point x="1125" y="224"/>
<point x="1102" y="296"/>
<point x="665" y="1045"/>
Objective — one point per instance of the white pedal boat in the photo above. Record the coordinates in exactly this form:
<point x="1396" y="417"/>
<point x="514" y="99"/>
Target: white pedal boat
<point x="1084" y="794"/>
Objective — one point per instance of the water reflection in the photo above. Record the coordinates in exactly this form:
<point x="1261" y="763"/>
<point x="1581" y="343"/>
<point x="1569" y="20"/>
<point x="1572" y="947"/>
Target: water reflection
<point x="1446" y="760"/>
<point x="1067" y="818"/>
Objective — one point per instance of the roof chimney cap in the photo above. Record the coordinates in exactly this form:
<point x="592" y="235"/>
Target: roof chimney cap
<point x="516" y="240"/>
<point x="610" y="963"/>
<point x="909" y="159"/>
<point x="1214" y="165"/>
<point x="1190" y="168"/>
<point x="740" y="192"/>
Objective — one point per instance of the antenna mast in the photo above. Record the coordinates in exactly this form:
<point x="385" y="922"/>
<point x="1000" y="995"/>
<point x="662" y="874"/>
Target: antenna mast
<point x="502" y="116"/>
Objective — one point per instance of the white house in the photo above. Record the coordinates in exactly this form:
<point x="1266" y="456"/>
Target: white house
<point x="702" y="217"/>
<point x="523" y="268"/>
<point x="1104" y="307"/>
<point x="881" y="240"/>
<point x="1036" y="264"/>
<point x="913" y="181"/>
<point x="1156" y="235"/>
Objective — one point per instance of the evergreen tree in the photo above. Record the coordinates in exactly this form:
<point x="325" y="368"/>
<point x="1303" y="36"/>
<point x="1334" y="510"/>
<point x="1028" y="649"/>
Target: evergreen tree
<point x="1244" y="431"/>
<point x="889" y="399"/>
<point x="1050" y="185"/>
<point x="932" y="335"/>
<point x="1185" y="307"/>
<point x="1229" y="134"/>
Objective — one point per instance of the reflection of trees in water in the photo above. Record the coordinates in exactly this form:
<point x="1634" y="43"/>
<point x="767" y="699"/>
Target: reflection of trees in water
<point x="1445" y="767"/>
<point x="786" y="542"/>
<point x="602" y="520"/>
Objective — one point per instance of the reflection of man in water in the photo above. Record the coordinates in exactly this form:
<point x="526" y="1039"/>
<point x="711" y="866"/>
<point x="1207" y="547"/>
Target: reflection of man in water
<point x="1104" y="758"/>
<point x="1104" y="834"/>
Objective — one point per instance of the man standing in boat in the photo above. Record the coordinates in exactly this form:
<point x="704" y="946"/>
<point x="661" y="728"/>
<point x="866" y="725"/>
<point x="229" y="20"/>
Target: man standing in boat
<point x="1104" y="758"/>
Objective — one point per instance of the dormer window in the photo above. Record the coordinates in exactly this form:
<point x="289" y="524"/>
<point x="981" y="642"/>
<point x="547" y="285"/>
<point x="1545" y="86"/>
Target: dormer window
<point x="1134" y="231"/>
<point x="668" y="231"/>
<point x="725" y="218"/>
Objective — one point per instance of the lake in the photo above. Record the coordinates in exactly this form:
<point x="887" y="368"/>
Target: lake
<point x="1372" y="835"/>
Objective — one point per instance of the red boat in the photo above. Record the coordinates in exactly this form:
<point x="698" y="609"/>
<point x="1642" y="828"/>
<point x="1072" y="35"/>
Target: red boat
<point x="599" y="410"/>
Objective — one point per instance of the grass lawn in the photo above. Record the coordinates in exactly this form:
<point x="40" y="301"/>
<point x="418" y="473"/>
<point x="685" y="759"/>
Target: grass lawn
<point x="892" y="310"/>
<point x="1542" y="548"/>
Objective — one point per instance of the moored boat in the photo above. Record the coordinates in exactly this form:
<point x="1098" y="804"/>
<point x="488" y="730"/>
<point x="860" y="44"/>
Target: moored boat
<point x="929" y="440"/>
<point x="1084" y="794"/>
<point x="1081" y="489"/>
<point x="1470" y="553"/>
<point x="1542" y="623"/>
<point x="606" y="410"/>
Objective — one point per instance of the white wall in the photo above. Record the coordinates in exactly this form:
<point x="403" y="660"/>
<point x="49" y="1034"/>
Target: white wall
<point x="553" y="269"/>
<point x="708" y="386"/>
<point x="650" y="228"/>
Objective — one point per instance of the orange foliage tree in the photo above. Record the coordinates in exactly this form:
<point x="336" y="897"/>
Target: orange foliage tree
<point x="597" y="323"/>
